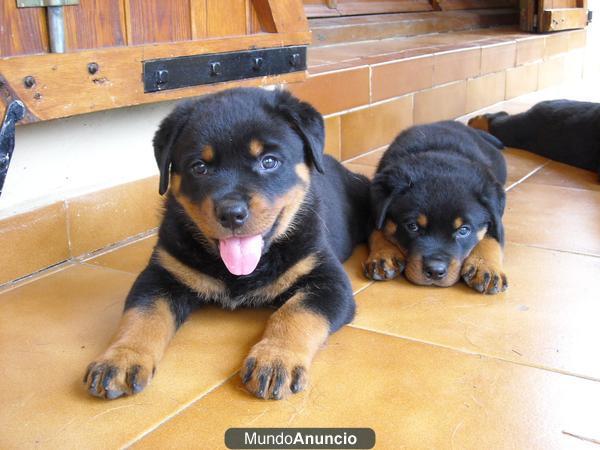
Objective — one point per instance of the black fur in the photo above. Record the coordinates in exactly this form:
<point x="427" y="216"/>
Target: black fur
<point x="566" y="131"/>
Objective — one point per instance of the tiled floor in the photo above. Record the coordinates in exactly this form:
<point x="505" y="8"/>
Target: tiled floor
<point x="424" y="367"/>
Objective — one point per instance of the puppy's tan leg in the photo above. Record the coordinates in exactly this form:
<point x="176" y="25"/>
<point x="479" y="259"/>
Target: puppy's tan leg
<point x="278" y="365"/>
<point x="386" y="260"/>
<point x="483" y="268"/>
<point x="481" y="122"/>
<point x="128" y="364"/>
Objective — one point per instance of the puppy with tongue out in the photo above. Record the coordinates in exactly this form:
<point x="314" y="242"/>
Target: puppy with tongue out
<point x="254" y="215"/>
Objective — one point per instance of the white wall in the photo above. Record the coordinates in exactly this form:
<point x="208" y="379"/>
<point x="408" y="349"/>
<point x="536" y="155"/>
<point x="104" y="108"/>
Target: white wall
<point x="63" y="158"/>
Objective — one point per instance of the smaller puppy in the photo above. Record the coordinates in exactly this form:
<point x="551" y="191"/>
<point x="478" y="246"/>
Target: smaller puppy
<point x="437" y="202"/>
<point x="566" y="131"/>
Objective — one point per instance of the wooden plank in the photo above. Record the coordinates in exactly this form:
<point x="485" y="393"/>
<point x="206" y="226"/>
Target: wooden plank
<point x="226" y="18"/>
<point x="320" y="8"/>
<point x="357" y="7"/>
<point x="198" y="18"/>
<point x="158" y="21"/>
<point x="563" y="19"/>
<point x="450" y="5"/>
<point x="279" y="16"/>
<point x="95" y="24"/>
<point x="23" y="30"/>
<point x="64" y="88"/>
<point x="527" y="11"/>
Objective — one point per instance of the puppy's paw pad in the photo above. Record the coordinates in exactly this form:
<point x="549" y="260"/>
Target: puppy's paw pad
<point x="119" y="372"/>
<point x="483" y="277"/>
<point x="273" y="372"/>
<point x="383" y="268"/>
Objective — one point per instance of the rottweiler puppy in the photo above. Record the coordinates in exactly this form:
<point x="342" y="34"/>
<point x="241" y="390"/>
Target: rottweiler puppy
<point x="255" y="215"/>
<point x="566" y="131"/>
<point x="437" y="203"/>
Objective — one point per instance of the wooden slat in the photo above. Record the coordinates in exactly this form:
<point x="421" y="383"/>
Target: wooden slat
<point x="158" y="21"/>
<point x="320" y="8"/>
<point x="64" y="88"/>
<point x="450" y="5"/>
<point x="198" y="18"/>
<point x="95" y="24"/>
<point x="563" y="19"/>
<point x="277" y="16"/>
<point x="23" y="29"/>
<point x="356" y="7"/>
<point x="527" y="12"/>
<point x="226" y="18"/>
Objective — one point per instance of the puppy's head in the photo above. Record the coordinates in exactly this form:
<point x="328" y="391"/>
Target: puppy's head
<point x="436" y="220"/>
<point x="239" y="164"/>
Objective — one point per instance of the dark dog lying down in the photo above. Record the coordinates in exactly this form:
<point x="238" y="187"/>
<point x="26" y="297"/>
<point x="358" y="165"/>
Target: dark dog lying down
<point x="437" y="203"/>
<point x="566" y="131"/>
<point x="255" y="215"/>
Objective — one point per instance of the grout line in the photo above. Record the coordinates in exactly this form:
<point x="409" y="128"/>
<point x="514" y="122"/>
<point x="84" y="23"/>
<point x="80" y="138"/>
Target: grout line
<point x="116" y="245"/>
<point x="474" y="353"/>
<point x="46" y="271"/>
<point x="533" y="172"/>
<point x="539" y="247"/>
<point x="363" y="288"/>
<point x="349" y="160"/>
<point x="184" y="407"/>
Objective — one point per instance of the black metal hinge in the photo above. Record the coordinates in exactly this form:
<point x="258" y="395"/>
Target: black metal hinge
<point x="185" y="71"/>
<point x="14" y="113"/>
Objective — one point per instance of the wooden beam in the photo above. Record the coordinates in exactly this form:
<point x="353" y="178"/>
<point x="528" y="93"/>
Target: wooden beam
<point x="63" y="87"/>
<point x="277" y="16"/>
<point x="563" y="19"/>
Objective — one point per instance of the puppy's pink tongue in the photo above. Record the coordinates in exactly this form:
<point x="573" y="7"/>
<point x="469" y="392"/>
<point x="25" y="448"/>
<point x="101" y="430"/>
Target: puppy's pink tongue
<point x="241" y="254"/>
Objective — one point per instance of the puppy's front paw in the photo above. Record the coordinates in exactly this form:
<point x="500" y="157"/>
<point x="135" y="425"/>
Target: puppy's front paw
<point x="481" y="122"/>
<point x="273" y="371"/>
<point x="483" y="276"/>
<point x="380" y="267"/>
<point x="119" y="372"/>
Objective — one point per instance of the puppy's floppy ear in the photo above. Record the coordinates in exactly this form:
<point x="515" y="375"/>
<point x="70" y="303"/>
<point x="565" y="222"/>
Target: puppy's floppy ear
<point x="387" y="184"/>
<point x="493" y="198"/>
<point x="164" y="138"/>
<point x="307" y="122"/>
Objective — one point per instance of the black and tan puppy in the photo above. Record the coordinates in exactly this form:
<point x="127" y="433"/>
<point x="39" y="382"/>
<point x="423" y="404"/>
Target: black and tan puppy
<point x="437" y="203"/>
<point x="566" y="131"/>
<point x="255" y="215"/>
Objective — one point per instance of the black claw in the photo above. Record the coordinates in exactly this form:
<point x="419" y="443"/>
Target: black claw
<point x="263" y="379"/>
<point x="108" y="376"/>
<point x="280" y="376"/>
<point x="111" y="395"/>
<point x="250" y="365"/>
<point x="132" y="379"/>
<point x="96" y="376"/>
<point x="469" y="274"/>
<point x="297" y="374"/>
<point x="486" y="280"/>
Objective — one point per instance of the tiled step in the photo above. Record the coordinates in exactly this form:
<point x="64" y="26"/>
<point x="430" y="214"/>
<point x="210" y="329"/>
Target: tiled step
<point x="368" y="92"/>
<point x="380" y="26"/>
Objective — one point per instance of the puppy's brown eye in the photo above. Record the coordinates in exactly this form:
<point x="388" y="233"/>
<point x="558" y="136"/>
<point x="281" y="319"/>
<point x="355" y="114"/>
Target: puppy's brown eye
<point x="463" y="231"/>
<point x="199" y="168"/>
<point x="412" y="227"/>
<point x="269" y="163"/>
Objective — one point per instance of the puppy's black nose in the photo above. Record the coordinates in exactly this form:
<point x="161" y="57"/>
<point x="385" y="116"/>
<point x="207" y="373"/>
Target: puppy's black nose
<point x="232" y="213"/>
<point x="434" y="269"/>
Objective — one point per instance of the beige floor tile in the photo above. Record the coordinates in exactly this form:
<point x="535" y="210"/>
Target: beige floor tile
<point x="371" y="158"/>
<point x="557" y="174"/>
<point x="51" y="329"/>
<point x="129" y="258"/>
<point x="554" y="217"/>
<point x="363" y="169"/>
<point x="413" y="396"/>
<point x="521" y="163"/>
<point x="547" y="317"/>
